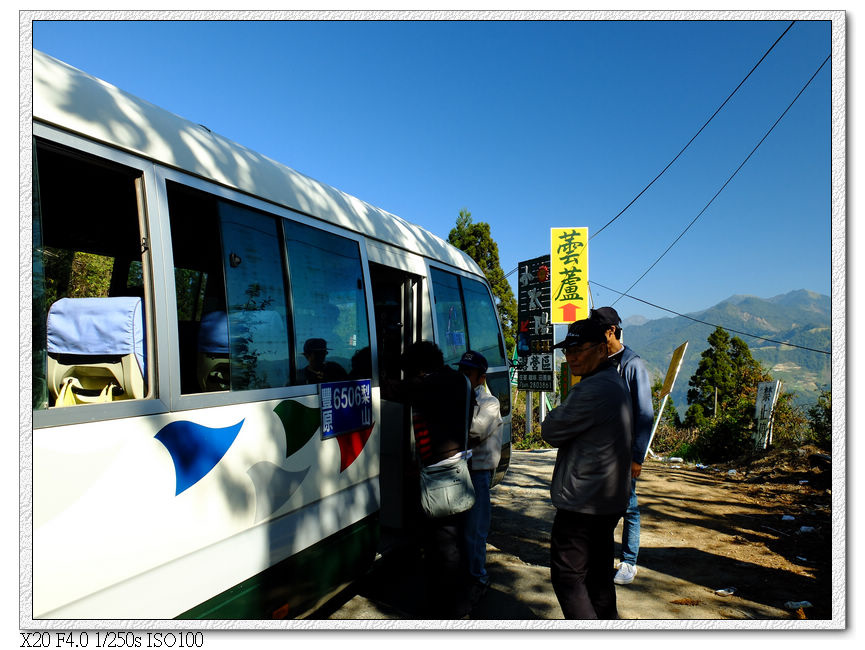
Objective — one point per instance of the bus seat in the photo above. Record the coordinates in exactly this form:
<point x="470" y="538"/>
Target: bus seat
<point x="94" y="343"/>
<point x="213" y="368"/>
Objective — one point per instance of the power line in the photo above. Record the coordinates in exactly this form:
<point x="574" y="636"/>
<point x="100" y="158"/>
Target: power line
<point x="696" y="134"/>
<point x="697" y="320"/>
<point x="755" y="336"/>
<point x="510" y="273"/>
<point x="738" y="169"/>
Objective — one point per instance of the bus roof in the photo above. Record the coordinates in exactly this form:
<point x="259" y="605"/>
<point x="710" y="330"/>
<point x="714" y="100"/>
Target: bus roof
<point x="72" y="100"/>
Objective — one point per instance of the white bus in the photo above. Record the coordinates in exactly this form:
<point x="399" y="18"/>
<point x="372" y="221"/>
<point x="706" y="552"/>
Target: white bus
<point x="214" y="340"/>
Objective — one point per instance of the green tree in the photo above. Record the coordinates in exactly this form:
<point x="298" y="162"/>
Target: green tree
<point x="714" y="376"/>
<point x="728" y="365"/>
<point x="789" y="423"/>
<point x="820" y="418"/>
<point x="747" y="371"/>
<point x="475" y="240"/>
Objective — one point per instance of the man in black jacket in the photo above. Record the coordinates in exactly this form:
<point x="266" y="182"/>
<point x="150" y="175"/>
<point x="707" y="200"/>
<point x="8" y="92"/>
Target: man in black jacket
<point x="592" y="476"/>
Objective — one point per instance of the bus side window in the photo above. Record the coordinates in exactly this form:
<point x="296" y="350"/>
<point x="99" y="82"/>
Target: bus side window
<point x="231" y="301"/>
<point x="331" y="328"/>
<point x="198" y="282"/>
<point x="450" y="314"/>
<point x="467" y="320"/>
<point x="88" y="276"/>
<point x="257" y="307"/>
<point x="483" y="323"/>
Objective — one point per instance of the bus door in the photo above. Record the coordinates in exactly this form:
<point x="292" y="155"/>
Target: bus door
<point x="398" y="316"/>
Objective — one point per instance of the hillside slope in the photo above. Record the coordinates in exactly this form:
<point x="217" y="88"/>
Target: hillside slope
<point x="800" y="317"/>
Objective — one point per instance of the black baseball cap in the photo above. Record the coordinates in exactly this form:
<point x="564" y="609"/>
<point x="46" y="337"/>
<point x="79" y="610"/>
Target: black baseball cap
<point x="473" y="359"/>
<point x="588" y="330"/>
<point x="607" y="316"/>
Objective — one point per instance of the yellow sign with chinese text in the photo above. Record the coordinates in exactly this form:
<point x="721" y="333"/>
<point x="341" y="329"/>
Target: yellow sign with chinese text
<point x="569" y="281"/>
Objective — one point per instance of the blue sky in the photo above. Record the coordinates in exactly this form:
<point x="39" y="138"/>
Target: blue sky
<point x="528" y="125"/>
<point x="528" y="131"/>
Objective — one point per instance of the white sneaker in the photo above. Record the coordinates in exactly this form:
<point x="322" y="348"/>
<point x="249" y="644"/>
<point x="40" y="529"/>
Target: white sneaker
<point x="625" y="574"/>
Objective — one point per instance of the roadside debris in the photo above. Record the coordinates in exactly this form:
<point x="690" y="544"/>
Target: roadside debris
<point x="690" y="602"/>
<point x="775" y="530"/>
<point x="797" y="604"/>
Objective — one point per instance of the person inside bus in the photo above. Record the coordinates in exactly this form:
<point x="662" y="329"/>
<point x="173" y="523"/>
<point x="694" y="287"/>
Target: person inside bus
<point x="591" y="477"/>
<point x="319" y="369"/>
<point x="485" y="441"/>
<point x="440" y="399"/>
<point x="361" y="364"/>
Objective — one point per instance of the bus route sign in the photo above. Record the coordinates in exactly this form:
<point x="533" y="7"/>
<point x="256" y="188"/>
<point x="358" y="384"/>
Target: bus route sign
<point x="346" y="406"/>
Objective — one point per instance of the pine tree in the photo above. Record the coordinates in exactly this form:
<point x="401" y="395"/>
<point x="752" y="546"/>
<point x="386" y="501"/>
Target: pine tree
<point x="820" y="416"/>
<point x="728" y="366"/>
<point x="747" y="371"/>
<point x="475" y="240"/>
<point x="714" y="373"/>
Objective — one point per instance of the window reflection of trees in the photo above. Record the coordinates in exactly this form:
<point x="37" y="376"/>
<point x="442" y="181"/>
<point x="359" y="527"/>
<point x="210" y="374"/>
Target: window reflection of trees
<point x="257" y="305"/>
<point x="327" y="287"/>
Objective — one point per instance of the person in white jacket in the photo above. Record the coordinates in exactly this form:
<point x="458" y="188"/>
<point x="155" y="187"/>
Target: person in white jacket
<point x="485" y="442"/>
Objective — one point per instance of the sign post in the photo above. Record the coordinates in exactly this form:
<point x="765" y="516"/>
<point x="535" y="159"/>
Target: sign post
<point x="569" y="292"/>
<point x="535" y="335"/>
<point x="667" y="388"/>
<point x="767" y="397"/>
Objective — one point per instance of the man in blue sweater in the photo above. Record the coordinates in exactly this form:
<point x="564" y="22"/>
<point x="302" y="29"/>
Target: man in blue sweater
<point x="633" y="371"/>
<point x="591" y="482"/>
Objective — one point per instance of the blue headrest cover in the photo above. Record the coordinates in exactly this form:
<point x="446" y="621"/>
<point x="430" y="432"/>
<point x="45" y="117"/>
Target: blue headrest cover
<point x="213" y="333"/>
<point x="97" y="326"/>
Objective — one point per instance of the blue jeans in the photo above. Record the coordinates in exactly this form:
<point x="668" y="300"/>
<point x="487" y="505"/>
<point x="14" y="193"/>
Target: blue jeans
<point x="631" y="528"/>
<point x="477" y="526"/>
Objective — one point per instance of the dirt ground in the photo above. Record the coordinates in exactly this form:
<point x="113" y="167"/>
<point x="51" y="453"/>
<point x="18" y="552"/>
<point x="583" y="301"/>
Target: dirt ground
<point x="761" y="527"/>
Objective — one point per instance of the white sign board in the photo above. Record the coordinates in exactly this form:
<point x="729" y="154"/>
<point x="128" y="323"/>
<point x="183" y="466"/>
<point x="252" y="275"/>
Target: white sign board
<point x="767" y="396"/>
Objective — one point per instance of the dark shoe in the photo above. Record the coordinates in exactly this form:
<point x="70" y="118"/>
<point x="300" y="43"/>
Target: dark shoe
<point x="477" y="591"/>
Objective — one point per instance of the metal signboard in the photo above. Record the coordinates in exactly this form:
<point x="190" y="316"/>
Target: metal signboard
<point x="346" y="406"/>
<point x="535" y="331"/>
<point x="569" y="253"/>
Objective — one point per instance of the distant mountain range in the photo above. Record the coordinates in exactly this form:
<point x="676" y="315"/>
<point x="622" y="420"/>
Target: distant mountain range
<point x="800" y="317"/>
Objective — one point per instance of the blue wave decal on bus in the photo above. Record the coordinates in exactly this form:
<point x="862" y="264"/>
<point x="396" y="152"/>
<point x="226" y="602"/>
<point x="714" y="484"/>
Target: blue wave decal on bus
<point x="195" y="449"/>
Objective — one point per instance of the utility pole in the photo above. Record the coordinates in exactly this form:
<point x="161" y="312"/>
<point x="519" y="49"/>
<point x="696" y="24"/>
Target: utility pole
<point x="715" y="412"/>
